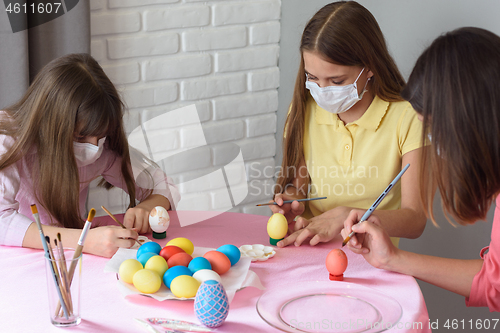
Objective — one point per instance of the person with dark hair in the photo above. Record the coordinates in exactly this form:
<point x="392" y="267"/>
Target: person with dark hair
<point x="348" y="132"/>
<point x="66" y="131"/>
<point x="454" y="87"/>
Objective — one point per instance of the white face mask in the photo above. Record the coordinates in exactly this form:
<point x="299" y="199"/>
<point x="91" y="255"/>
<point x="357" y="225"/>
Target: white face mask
<point x="336" y="99"/>
<point x="87" y="153"/>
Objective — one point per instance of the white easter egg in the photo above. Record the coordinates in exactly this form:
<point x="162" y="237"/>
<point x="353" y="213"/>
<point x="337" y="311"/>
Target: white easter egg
<point x="159" y="220"/>
<point x="203" y="275"/>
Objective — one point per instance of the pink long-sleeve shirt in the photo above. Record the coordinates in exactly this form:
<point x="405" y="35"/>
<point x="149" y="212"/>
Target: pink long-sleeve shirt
<point x="17" y="192"/>
<point x="485" y="290"/>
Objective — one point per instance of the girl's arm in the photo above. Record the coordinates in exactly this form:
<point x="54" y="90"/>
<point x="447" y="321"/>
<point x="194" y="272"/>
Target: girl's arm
<point x="408" y="221"/>
<point x="101" y="241"/>
<point x="164" y="193"/>
<point x="455" y="275"/>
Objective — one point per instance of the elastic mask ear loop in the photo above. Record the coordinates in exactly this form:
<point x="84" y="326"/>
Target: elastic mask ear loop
<point x="359" y="74"/>
<point x="364" y="88"/>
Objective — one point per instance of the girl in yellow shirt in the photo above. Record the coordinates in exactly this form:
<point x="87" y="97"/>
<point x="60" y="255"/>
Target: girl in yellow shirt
<point x="348" y="132"/>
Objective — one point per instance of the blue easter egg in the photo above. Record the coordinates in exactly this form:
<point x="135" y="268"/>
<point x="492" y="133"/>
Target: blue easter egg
<point x="232" y="252"/>
<point x="148" y="247"/>
<point x="199" y="263"/>
<point x="174" y="272"/>
<point x="144" y="257"/>
<point x="211" y="305"/>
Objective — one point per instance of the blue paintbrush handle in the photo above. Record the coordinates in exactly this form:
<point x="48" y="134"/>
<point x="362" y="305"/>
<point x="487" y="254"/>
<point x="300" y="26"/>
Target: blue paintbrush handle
<point x="369" y="212"/>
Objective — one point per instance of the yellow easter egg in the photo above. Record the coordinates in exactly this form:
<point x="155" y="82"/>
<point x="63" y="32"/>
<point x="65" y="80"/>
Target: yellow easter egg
<point x="184" y="286"/>
<point x="183" y="243"/>
<point x="128" y="268"/>
<point x="157" y="264"/>
<point x="277" y="226"/>
<point x="147" y="281"/>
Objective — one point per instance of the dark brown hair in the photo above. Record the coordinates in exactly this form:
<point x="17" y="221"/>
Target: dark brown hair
<point x="344" y="33"/>
<point x="454" y="86"/>
<point x="71" y="96"/>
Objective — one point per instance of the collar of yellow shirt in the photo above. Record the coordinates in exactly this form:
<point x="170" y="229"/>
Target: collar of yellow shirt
<point x="369" y="120"/>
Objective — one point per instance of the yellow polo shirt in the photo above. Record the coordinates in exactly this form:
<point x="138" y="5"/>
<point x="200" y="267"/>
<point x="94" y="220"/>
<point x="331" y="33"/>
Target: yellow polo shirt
<point x="352" y="164"/>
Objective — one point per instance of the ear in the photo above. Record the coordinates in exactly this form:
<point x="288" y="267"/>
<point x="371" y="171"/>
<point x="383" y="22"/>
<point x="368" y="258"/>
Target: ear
<point x="370" y="74"/>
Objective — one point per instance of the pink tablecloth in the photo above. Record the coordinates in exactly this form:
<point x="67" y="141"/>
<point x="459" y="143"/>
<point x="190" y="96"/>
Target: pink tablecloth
<point x="23" y="292"/>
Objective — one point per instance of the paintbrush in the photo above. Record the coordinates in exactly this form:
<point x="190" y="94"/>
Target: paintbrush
<point x="59" y="279"/>
<point x="79" y="247"/>
<point x="63" y="269"/>
<point x="369" y="212"/>
<point x="34" y="211"/>
<point x="121" y="224"/>
<point x="290" y="201"/>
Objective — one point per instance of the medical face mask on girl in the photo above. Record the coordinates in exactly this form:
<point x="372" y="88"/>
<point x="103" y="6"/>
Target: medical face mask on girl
<point x="336" y="99"/>
<point x="87" y="153"/>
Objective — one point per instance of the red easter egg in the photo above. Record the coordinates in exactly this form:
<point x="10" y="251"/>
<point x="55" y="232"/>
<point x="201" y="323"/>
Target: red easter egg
<point x="179" y="259"/>
<point x="219" y="261"/>
<point x="169" y="251"/>
<point x="336" y="262"/>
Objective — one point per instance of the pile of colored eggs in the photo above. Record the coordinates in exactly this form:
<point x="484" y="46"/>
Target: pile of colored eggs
<point x="175" y="267"/>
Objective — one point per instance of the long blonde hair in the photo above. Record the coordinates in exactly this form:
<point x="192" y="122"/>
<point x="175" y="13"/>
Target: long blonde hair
<point x="70" y="96"/>
<point x="343" y="33"/>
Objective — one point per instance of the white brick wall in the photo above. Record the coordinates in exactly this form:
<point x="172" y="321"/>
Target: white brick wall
<point x="221" y="55"/>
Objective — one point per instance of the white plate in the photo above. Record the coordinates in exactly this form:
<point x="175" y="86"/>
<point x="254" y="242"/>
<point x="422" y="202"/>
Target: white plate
<point x="328" y="306"/>
<point x="257" y="252"/>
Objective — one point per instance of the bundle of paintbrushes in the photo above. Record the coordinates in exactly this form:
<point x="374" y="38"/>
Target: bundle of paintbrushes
<point x="61" y="274"/>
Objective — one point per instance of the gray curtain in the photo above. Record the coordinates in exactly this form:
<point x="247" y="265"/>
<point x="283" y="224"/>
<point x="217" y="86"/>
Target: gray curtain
<point x="29" y="41"/>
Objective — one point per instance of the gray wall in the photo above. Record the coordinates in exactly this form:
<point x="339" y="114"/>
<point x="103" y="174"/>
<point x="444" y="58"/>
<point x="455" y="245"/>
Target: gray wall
<point x="409" y="26"/>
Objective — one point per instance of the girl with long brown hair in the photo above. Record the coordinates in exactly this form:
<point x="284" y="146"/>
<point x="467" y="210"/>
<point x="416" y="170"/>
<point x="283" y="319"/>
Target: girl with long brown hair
<point x="348" y="132"/>
<point x="66" y="131"/>
<point x="454" y="88"/>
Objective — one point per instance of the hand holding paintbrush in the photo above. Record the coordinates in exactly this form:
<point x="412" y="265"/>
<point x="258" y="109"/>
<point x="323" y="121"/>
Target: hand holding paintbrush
<point x="119" y="223"/>
<point x="377" y="202"/>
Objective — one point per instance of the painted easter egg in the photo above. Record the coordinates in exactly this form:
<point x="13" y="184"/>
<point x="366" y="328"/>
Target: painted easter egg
<point x="144" y="257"/>
<point x="232" y="252"/>
<point x="184" y="286"/>
<point x="206" y="274"/>
<point x="199" y="263"/>
<point x="179" y="259"/>
<point x="128" y="268"/>
<point x="183" y="243"/>
<point x="147" y="281"/>
<point x="211" y="304"/>
<point x="169" y="251"/>
<point x="277" y="226"/>
<point x="219" y="261"/>
<point x="336" y="264"/>
<point x="159" y="220"/>
<point x="174" y="272"/>
<point x="148" y="247"/>
<point x="157" y="264"/>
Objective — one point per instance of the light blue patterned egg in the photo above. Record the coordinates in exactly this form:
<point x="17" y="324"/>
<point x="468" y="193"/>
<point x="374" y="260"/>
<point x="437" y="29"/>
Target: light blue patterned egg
<point x="211" y="305"/>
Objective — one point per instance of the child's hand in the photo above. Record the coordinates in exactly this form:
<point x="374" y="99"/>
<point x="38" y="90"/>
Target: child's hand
<point x="289" y="210"/>
<point x="354" y="217"/>
<point x="372" y="241"/>
<point x="138" y="219"/>
<point x="105" y="241"/>
<point x="321" y="228"/>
